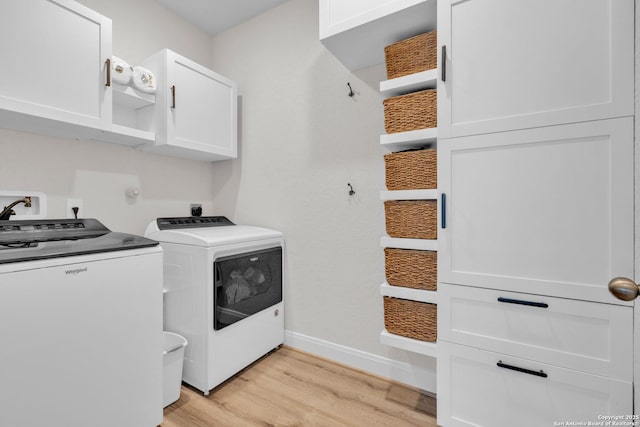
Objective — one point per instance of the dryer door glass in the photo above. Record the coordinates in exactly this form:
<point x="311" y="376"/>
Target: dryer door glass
<point x="246" y="284"/>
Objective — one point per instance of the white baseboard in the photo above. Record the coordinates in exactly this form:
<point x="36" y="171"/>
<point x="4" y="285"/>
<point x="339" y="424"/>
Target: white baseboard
<point x="413" y="375"/>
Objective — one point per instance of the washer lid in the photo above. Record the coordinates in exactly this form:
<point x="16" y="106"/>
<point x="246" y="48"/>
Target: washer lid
<point x="29" y="240"/>
<point x="211" y="236"/>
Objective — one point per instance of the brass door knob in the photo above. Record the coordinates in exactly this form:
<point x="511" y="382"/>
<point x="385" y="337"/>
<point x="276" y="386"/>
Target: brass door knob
<point x="624" y="288"/>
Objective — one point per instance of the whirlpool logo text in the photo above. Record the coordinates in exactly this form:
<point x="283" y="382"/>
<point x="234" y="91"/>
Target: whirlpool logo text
<point x="76" y="271"/>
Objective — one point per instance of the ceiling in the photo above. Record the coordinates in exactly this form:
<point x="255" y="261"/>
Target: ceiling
<point x="214" y="16"/>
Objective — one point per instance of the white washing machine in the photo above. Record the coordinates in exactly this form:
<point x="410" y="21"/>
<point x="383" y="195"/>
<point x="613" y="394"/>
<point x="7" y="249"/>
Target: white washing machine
<point x="223" y="287"/>
<point x="81" y="322"/>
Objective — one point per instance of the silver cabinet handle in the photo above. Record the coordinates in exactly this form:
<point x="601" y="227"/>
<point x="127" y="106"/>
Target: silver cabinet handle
<point x="108" y="65"/>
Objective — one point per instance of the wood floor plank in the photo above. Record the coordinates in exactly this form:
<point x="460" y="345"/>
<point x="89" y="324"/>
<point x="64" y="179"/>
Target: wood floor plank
<point x="292" y="388"/>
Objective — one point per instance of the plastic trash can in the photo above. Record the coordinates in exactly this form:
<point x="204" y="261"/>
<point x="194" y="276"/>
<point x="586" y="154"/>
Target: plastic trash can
<point x="173" y="356"/>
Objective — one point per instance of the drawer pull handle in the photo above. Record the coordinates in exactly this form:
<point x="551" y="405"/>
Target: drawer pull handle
<point x="539" y="373"/>
<point x="443" y="211"/>
<point x="521" y="302"/>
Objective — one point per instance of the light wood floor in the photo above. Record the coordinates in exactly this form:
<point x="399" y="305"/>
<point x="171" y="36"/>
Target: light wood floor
<point x="291" y="388"/>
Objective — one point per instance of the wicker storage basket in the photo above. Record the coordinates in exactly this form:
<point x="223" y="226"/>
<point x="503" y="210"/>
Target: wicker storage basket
<point x="411" y="170"/>
<point x="412" y="219"/>
<point x="413" y="111"/>
<point x="411" y="319"/>
<point x="412" y="55"/>
<point x="411" y="268"/>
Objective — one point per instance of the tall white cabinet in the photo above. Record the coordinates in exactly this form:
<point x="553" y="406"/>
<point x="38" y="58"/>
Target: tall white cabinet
<point x="535" y="161"/>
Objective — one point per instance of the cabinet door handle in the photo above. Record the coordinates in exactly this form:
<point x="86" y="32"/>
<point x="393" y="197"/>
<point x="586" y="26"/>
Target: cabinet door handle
<point x="539" y="373"/>
<point x="522" y="302"/>
<point x="107" y="63"/>
<point x="173" y="96"/>
<point x="443" y="63"/>
<point x="443" y="210"/>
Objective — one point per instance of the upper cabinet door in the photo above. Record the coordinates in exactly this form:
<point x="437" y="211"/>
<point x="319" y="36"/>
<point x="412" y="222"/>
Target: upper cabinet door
<point x="547" y="211"/>
<point x="196" y="113"/>
<point x="202" y="114"/>
<point x="53" y="61"/>
<point x="515" y="65"/>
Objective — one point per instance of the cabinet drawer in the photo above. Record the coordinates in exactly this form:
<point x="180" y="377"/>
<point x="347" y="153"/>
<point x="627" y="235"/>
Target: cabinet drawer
<point x="482" y="388"/>
<point x="590" y="337"/>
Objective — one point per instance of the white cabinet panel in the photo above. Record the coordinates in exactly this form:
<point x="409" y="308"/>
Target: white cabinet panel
<point x="516" y="65"/>
<point x="340" y="15"/>
<point x="53" y="56"/>
<point x="196" y="109"/>
<point x="485" y="390"/>
<point x="546" y="211"/>
<point x="585" y="336"/>
<point x="357" y="31"/>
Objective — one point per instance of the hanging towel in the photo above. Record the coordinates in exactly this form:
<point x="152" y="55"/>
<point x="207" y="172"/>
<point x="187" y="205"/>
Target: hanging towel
<point x="121" y="71"/>
<point x="144" y="80"/>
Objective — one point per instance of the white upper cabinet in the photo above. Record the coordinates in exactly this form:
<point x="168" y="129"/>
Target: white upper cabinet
<point x="546" y="211"/>
<point x="357" y="31"/>
<point x="54" y="56"/>
<point x="196" y="109"/>
<point x="515" y="65"/>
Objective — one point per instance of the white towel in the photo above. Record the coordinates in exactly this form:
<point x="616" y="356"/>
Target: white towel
<point x="144" y="80"/>
<point x="121" y="71"/>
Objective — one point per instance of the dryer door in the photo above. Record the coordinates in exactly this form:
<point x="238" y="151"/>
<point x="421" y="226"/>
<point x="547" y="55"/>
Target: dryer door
<point x="246" y="284"/>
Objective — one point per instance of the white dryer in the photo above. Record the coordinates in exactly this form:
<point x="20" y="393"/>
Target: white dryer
<point x="223" y="287"/>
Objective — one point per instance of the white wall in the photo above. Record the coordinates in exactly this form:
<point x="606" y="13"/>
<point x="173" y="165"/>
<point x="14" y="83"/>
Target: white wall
<point x="302" y="140"/>
<point x="100" y="173"/>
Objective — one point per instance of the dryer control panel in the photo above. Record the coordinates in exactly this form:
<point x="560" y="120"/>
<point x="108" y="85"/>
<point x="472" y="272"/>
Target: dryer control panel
<point x="192" y="222"/>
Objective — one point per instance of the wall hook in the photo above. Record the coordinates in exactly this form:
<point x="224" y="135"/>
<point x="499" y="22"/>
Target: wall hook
<point x="351" y="190"/>
<point x="351" y="92"/>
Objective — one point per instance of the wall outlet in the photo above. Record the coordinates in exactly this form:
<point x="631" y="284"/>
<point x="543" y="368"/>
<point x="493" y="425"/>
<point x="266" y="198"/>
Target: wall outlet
<point x="196" y="209"/>
<point x="71" y="203"/>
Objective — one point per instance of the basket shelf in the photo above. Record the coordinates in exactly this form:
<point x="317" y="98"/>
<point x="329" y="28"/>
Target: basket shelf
<point x="409" y="344"/>
<point x="407" y="293"/>
<point x="410" y="139"/>
<point x="419" y="244"/>
<point x="411" y="83"/>
<point x="409" y="195"/>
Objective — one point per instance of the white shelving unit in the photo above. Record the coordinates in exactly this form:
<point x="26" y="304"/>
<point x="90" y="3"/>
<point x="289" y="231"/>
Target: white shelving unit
<point x="421" y="295"/>
<point x="126" y="103"/>
<point x="398" y="142"/>
<point x="128" y="97"/>
<point x="411" y="83"/>
<point x="409" y="344"/>
<point x="411" y="139"/>
<point x="418" y="244"/>
<point x="409" y="195"/>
